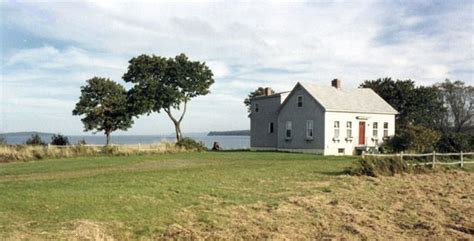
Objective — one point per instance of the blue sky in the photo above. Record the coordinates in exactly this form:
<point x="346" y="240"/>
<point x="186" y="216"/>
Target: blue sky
<point x="49" y="49"/>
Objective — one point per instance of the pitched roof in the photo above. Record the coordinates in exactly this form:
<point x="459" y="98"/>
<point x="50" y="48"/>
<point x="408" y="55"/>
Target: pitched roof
<point x="361" y="100"/>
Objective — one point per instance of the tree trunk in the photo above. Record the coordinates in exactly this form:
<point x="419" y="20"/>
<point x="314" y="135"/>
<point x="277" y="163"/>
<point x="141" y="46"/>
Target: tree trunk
<point x="177" y="128"/>
<point x="107" y="134"/>
<point x="177" y="123"/>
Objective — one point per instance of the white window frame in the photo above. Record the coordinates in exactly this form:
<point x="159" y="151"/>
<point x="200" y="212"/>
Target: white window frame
<point x="349" y="130"/>
<point x="271" y="127"/>
<point x="375" y="130"/>
<point x="298" y="101"/>
<point x="288" y="130"/>
<point x="336" y="130"/>
<point x="309" y="129"/>
<point x="385" y="129"/>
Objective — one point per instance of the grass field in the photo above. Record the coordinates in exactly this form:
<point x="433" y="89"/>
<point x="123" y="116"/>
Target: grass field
<point x="227" y="195"/>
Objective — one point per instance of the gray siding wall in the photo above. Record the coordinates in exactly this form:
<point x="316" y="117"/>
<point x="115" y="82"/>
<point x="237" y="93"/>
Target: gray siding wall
<point x="311" y="110"/>
<point x="259" y="122"/>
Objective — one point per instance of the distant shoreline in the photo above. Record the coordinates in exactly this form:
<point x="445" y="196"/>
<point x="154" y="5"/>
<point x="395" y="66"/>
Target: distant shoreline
<point x="230" y="133"/>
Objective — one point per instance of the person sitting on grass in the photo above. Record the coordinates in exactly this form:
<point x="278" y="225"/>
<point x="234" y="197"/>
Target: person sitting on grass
<point x="216" y="146"/>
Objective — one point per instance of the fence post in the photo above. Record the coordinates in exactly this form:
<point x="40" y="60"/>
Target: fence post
<point x="401" y="156"/>
<point x="462" y="160"/>
<point x="138" y="147"/>
<point x="434" y="159"/>
<point x="363" y="154"/>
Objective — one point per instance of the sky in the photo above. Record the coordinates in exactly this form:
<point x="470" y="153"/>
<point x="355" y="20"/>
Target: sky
<point x="50" y="48"/>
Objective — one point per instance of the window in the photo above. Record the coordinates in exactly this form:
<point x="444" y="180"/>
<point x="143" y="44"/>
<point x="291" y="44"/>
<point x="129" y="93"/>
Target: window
<point x="349" y="129"/>
<point x="288" y="129"/>
<point x="270" y="127"/>
<point x="256" y="107"/>
<point x="336" y="129"/>
<point x="300" y="101"/>
<point x="375" y="130"/>
<point x="385" y="129"/>
<point x="340" y="150"/>
<point x="309" y="129"/>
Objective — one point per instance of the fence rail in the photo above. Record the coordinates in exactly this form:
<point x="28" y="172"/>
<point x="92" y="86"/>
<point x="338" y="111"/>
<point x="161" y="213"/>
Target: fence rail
<point x="433" y="161"/>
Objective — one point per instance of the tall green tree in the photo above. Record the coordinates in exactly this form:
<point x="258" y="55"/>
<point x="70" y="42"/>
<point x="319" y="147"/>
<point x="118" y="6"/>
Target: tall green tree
<point x="260" y="91"/>
<point x="459" y="99"/>
<point x="416" y="105"/>
<point x="166" y="84"/>
<point x="104" y="105"/>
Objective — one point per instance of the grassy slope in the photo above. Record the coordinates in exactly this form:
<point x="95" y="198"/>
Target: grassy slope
<point x="226" y="194"/>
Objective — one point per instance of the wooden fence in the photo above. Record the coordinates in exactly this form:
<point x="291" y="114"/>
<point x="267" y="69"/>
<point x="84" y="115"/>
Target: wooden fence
<point x="433" y="156"/>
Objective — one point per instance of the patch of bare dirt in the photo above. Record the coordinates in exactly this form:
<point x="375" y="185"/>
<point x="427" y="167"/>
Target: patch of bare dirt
<point x="425" y="206"/>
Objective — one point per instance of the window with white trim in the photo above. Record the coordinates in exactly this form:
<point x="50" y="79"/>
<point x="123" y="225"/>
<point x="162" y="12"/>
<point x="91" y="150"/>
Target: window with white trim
<point x="270" y="127"/>
<point x="288" y="129"/>
<point x="336" y="129"/>
<point x="385" y="129"/>
<point x="300" y="101"/>
<point x="375" y="130"/>
<point x="309" y="129"/>
<point x="349" y="129"/>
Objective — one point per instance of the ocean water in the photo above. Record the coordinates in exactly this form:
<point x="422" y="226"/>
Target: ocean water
<point x="226" y="142"/>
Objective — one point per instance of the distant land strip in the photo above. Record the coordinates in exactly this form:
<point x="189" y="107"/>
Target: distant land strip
<point x="230" y="133"/>
<point x="25" y="133"/>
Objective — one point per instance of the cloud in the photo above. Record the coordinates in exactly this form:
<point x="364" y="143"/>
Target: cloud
<point x="219" y="69"/>
<point x="246" y="44"/>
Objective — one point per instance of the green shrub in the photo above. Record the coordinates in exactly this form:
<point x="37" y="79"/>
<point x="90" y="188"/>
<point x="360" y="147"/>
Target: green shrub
<point x="455" y="142"/>
<point x="35" y="139"/>
<point x="416" y="138"/>
<point x="59" y="140"/>
<point x="191" y="145"/>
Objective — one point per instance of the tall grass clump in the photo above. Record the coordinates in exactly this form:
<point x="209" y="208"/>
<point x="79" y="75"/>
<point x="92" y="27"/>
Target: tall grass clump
<point x="384" y="166"/>
<point x="11" y="153"/>
<point x="191" y="144"/>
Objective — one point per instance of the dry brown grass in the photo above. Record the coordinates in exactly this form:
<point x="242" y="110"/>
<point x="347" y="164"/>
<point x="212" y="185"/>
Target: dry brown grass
<point x="11" y="153"/>
<point x="426" y="206"/>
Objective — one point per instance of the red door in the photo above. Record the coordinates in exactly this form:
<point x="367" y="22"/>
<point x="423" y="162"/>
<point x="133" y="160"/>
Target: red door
<point x="362" y="133"/>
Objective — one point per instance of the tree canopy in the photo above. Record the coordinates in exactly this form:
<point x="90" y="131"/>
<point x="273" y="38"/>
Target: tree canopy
<point x="459" y="100"/>
<point x="162" y="83"/>
<point x="438" y="116"/>
<point x="104" y="105"/>
<point x="416" y="105"/>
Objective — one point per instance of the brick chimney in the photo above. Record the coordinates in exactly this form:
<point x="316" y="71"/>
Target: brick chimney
<point x="336" y="83"/>
<point x="268" y="91"/>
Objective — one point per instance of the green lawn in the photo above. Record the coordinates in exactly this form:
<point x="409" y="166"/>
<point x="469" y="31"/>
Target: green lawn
<point x="223" y="195"/>
<point x="141" y="195"/>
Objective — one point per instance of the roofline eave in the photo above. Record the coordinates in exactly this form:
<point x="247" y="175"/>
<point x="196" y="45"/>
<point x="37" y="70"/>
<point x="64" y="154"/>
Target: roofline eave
<point x="363" y="112"/>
